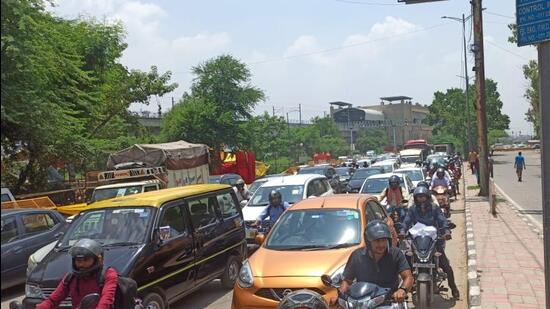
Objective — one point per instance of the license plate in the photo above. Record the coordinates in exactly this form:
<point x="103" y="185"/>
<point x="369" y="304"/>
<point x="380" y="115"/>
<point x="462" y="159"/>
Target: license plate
<point x="251" y="233"/>
<point x="420" y="265"/>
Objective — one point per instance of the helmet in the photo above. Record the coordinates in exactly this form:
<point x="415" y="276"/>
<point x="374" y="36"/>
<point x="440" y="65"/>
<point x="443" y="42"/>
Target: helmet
<point x="423" y="184"/>
<point x="440" y="172"/>
<point x="240" y="183"/>
<point x="377" y="229"/>
<point x="421" y="190"/>
<point x="274" y="194"/>
<point x="86" y="248"/>
<point x="394" y="181"/>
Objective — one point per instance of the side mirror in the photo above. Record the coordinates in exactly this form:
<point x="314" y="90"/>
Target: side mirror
<point x="260" y="238"/>
<point x="89" y="301"/>
<point x="326" y="280"/>
<point x="244" y="202"/>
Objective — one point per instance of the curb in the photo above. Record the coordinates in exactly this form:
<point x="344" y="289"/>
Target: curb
<point x="474" y="290"/>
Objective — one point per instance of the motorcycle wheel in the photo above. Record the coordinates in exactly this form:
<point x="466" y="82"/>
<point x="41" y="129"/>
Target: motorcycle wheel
<point x="423" y="295"/>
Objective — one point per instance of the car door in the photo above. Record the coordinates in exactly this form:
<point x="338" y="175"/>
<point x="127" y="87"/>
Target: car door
<point x="232" y="222"/>
<point x="208" y="236"/>
<point x="11" y="250"/>
<point x="174" y="257"/>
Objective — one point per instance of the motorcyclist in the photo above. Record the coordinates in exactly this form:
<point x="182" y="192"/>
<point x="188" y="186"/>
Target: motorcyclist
<point x="241" y="192"/>
<point x="378" y="263"/>
<point x="274" y="210"/>
<point x="394" y="194"/>
<point x="429" y="214"/>
<point x="87" y="265"/>
<point x="441" y="179"/>
<point x="427" y="186"/>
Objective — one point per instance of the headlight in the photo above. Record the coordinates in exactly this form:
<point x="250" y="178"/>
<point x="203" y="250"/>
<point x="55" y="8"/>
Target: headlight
<point x="337" y="276"/>
<point x="246" y="279"/>
<point x="31" y="264"/>
<point x="33" y="291"/>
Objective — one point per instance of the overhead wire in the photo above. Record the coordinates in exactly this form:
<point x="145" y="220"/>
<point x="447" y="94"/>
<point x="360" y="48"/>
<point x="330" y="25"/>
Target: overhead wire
<point x="500" y="15"/>
<point x="506" y="50"/>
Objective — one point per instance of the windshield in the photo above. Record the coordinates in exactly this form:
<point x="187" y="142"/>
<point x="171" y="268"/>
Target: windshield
<point x="319" y="171"/>
<point x="5" y="198"/>
<point x="104" y="194"/>
<point x="363" y="173"/>
<point x="377" y="185"/>
<point x="342" y="172"/>
<point x="111" y="226"/>
<point x="255" y="185"/>
<point x="316" y="228"/>
<point x="214" y="179"/>
<point x="414" y="175"/>
<point x="291" y="194"/>
<point x="410" y="159"/>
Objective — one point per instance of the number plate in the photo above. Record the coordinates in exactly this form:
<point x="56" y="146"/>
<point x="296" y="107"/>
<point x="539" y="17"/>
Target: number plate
<point x="421" y="265"/>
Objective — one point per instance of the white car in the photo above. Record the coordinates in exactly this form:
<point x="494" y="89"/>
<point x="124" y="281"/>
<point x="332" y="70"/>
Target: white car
<point x="375" y="184"/>
<point x="416" y="174"/>
<point x="388" y="165"/>
<point x="293" y="189"/>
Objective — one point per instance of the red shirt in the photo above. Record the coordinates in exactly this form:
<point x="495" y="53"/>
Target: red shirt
<point x="86" y="286"/>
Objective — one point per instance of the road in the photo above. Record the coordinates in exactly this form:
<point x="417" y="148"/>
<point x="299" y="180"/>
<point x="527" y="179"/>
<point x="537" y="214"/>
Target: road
<point x="528" y="193"/>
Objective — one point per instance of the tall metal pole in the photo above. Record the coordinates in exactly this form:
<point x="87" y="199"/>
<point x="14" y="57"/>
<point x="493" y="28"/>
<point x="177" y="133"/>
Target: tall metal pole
<point x="544" y="97"/>
<point x="468" y="132"/>
<point x="480" y="98"/>
<point x="300" y="110"/>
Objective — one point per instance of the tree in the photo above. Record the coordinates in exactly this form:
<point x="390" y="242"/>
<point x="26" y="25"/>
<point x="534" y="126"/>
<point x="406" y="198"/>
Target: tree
<point x="221" y="99"/>
<point x="372" y="139"/>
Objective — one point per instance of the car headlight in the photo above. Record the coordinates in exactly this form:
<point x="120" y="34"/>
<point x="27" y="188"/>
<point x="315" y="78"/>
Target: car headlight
<point x="33" y="291"/>
<point x="338" y="275"/>
<point x="31" y="264"/>
<point x="246" y="279"/>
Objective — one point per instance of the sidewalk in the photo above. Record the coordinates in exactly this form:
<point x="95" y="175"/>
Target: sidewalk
<point x="505" y="255"/>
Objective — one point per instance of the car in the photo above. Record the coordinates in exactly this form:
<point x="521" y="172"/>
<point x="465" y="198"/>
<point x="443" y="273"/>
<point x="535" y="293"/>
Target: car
<point x="416" y="174"/>
<point x="536" y="146"/>
<point x="313" y="237"/>
<point x="344" y="173"/>
<point x="375" y="185"/>
<point x="24" y="230"/>
<point x="260" y="181"/>
<point x="388" y="165"/>
<point x="171" y="242"/>
<point x="7" y="196"/>
<point x="228" y="179"/>
<point x="293" y="189"/>
<point x="356" y="181"/>
<point x="329" y="172"/>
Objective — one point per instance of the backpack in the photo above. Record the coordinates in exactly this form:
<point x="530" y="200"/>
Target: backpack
<point x="126" y="290"/>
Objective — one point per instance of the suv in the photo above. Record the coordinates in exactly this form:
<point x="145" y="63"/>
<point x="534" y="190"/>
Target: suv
<point x="327" y="171"/>
<point x="171" y="242"/>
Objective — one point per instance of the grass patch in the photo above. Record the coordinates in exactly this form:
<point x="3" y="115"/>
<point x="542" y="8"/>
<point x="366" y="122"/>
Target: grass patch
<point x="474" y="187"/>
<point x="501" y="200"/>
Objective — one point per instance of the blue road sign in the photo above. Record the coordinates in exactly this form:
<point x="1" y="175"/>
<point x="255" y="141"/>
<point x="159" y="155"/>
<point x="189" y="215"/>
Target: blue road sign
<point x="533" y="21"/>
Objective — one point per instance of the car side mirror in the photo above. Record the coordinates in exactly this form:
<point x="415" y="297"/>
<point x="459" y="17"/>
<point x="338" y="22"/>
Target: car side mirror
<point x="326" y="280"/>
<point x="243" y="203"/>
<point x="157" y="241"/>
<point x="260" y="238"/>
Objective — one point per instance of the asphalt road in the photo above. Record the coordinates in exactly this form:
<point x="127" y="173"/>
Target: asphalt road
<point x="528" y="193"/>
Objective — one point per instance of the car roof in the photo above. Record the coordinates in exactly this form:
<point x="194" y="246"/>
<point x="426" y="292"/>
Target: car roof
<point x="315" y="167"/>
<point x="385" y="162"/>
<point x="333" y="202"/>
<point x="299" y="179"/>
<point x="127" y="184"/>
<point x="386" y="175"/>
<point x="408" y="169"/>
<point x="159" y="197"/>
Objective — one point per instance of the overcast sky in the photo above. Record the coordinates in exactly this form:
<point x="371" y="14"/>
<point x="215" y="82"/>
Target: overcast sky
<point x="312" y="52"/>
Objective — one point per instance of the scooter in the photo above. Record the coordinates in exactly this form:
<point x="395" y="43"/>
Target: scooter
<point x="89" y="301"/>
<point x="442" y="196"/>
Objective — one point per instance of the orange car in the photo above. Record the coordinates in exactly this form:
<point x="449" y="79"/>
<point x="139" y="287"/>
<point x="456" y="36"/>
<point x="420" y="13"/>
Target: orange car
<point x="312" y="238"/>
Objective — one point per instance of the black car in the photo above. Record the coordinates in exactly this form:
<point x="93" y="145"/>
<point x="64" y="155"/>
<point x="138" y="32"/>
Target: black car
<point x="344" y="174"/>
<point x="171" y="242"/>
<point x="356" y="181"/>
<point x="24" y="231"/>
<point x="227" y="179"/>
<point x="327" y="171"/>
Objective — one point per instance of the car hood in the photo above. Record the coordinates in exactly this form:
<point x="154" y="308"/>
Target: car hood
<point x="57" y="263"/>
<point x="356" y="183"/>
<point x="251" y="213"/>
<point x="73" y="209"/>
<point x="274" y="263"/>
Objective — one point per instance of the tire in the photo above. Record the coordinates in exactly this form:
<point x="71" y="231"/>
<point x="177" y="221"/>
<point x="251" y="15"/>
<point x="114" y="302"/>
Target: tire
<point x="423" y="295"/>
<point x="153" y="301"/>
<point x="231" y="272"/>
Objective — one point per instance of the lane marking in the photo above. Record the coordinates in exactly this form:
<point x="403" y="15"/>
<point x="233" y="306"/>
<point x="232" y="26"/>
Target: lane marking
<point x="533" y="220"/>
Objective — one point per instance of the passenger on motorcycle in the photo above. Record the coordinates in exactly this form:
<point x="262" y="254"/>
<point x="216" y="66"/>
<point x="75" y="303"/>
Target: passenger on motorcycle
<point x="87" y="264"/>
<point x="441" y="178"/>
<point x="274" y="210"/>
<point x="241" y="192"/>
<point x="378" y="263"/>
<point x="429" y="214"/>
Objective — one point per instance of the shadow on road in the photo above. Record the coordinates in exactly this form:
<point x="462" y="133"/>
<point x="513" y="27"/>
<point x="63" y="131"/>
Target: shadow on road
<point x="206" y="296"/>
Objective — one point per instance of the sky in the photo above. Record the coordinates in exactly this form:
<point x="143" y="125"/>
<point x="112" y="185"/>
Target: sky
<point x="312" y="52"/>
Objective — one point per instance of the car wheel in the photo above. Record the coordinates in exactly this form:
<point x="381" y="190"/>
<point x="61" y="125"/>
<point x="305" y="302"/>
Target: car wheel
<point x="231" y="272"/>
<point x="153" y="301"/>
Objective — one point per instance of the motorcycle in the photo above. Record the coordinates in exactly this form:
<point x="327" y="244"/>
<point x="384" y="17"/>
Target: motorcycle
<point x="442" y="196"/>
<point x="364" y="295"/>
<point x="425" y="264"/>
<point x="89" y="301"/>
<point x="303" y="299"/>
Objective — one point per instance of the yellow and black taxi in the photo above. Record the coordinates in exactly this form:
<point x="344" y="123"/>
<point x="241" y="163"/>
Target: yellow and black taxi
<point x="171" y="242"/>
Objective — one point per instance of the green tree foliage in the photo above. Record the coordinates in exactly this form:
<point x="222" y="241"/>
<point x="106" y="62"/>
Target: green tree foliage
<point x="494" y="135"/>
<point x="221" y="99"/>
<point x="372" y="139"/>
<point x="447" y="113"/>
<point x="64" y="94"/>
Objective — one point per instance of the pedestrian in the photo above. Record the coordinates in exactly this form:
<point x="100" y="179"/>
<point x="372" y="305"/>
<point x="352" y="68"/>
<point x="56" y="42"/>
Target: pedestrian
<point x="519" y="165"/>
<point x="472" y="159"/>
<point x="490" y="162"/>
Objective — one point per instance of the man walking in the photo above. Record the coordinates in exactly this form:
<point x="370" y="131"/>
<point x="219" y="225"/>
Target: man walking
<point x="519" y="165"/>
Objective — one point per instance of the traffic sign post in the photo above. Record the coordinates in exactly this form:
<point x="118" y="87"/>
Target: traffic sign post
<point x="533" y="25"/>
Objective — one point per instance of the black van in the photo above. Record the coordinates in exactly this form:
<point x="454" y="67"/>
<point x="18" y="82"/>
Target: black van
<point x="170" y="241"/>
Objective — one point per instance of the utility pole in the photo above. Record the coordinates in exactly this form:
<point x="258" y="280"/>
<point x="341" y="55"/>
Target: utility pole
<point x="287" y="122"/>
<point x="172" y="102"/>
<point x="273" y="114"/>
<point x="480" y="97"/>
<point x="300" y="111"/>
<point x="468" y="132"/>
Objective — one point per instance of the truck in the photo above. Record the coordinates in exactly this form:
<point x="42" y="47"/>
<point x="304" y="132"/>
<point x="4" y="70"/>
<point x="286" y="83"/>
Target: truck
<point x="410" y="157"/>
<point x="447" y="148"/>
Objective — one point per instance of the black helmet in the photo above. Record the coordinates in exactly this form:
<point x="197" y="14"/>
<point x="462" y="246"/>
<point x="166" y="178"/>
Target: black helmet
<point x="377" y="229"/>
<point x="275" y="194"/>
<point x="440" y="172"/>
<point x="86" y="248"/>
<point x="394" y="181"/>
<point x="423" y="184"/>
<point x="421" y="190"/>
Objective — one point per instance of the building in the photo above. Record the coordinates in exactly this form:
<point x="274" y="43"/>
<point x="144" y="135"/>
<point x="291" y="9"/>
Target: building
<point x="402" y="120"/>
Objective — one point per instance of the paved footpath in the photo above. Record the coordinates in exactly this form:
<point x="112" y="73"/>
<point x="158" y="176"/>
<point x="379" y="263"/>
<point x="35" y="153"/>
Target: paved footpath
<point x="505" y="255"/>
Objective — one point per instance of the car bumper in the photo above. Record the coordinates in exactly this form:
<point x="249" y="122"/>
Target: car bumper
<point x="261" y="294"/>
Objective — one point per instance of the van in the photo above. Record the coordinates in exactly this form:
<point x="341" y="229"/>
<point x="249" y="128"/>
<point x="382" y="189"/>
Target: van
<point x="171" y="242"/>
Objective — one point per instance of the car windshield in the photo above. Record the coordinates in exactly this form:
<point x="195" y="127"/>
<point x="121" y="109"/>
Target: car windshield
<point x="316" y="229"/>
<point x="107" y="193"/>
<point x="414" y="175"/>
<point x="255" y="185"/>
<point x="5" y="198"/>
<point x="377" y="185"/>
<point x="214" y="179"/>
<point x="410" y="159"/>
<point x="111" y="226"/>
<point x="363" y="173"/>
<point x="319" y="171"/>
<point x="342" y="171"/>
<point x="290" y="193"/>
